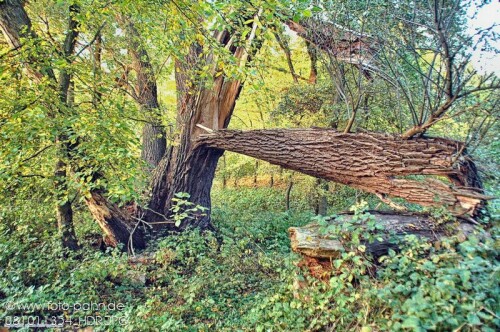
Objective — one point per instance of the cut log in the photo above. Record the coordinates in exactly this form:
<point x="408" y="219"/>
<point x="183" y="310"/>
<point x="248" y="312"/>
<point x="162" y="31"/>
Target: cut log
<point x="373" y="162"/>
<point x="308" y="241"/>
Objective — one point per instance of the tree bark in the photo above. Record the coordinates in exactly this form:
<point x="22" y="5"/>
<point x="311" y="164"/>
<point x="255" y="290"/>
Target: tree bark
<point x="288" y="194"/>
<point x="15" y="26"/>
<point x="64" y="209"/>
<point x="224" y="173"/>
<point x="283" y="43"/>
<point x="189" y="167"/>
<point x="376" y="163"/>
<point x="321" y="204"/>
<point x="308" y="240"/>
<point x="14" y="22"/>
<point x="154" y="142"/>
<point x="255" y="172"/>
<point x="117" y="224"/>
<point x="313" y="56"/>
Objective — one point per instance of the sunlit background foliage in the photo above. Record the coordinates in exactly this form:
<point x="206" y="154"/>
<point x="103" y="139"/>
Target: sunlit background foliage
<point x="196" y="282"/>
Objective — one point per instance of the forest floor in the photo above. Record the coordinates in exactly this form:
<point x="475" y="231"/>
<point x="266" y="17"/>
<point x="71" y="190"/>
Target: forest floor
<point x="244" y="279"/>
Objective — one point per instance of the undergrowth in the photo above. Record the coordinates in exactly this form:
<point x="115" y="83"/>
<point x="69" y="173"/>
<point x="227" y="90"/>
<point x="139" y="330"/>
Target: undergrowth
<point x="244" y="280"/>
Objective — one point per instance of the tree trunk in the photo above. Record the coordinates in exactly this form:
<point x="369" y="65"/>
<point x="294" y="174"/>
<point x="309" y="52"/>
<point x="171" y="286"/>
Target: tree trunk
<point x="288" y="193"/>
<point x="15" y="25"/>
<point x="189" y="167"/>
<point x="373" y="162"/>
<point x="308" y="240"/>
<point x="255" y="175"/>
<point x="224" y="173"/>
<point x="14" y="22"/>
<point x="154" y="143"/>
<point x="186" y="167"/>
<point x="313" y="56"/>
<point x="283" y="43"/>
<point x="117" y="224"/>
<point x="321" y="206"/>
<point x="64" y="209"/>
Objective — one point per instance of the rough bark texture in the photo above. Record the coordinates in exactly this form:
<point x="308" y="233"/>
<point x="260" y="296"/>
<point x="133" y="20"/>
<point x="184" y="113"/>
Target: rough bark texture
<point x="372" y="162"/>
<point x="188" y="167"/>
<point x="14" y="22"/>
<point x="16" y="25"/>
<point x="154" y="143"/>
<point x="117" y="224"/>
<point x="307" y="240"/>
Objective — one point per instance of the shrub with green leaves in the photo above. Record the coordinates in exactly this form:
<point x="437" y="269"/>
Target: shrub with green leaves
<point x="453" y="287"/>
<point x="245" y="280"/>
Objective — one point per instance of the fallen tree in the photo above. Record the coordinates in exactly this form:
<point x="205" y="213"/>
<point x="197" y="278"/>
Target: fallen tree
<point x="319" y="248"/>
<point x="309" y="241"/>
<point x="376" y="163"/>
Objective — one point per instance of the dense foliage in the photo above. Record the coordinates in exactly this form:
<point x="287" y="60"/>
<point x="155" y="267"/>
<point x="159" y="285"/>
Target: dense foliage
<point x="245" y="279"/>
<point x="243" y="276"/>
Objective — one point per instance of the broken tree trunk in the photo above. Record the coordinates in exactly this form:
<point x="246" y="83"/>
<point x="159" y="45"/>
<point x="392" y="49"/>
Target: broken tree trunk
<point x="186" y="166"/>
<point x="117" y="224"/>
<point x="373" y="162"/>
<point x="308" y="240"/>
<point x="189" y="167"/>
<point x="318" y="250"/>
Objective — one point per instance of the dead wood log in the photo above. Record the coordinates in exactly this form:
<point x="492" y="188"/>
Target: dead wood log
<point x="343" y="44"/>
<point x="308" y="241"/>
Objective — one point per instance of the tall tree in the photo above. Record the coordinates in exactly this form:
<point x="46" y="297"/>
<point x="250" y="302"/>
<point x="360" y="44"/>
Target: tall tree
<point x="188" y="167"/>
<point x="16" y="27"/>
<point x="214" y="46"/>
<point x="154" y="141"/>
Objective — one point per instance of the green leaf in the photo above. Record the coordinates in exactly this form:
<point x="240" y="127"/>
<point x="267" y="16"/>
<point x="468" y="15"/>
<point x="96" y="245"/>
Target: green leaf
<point x="307" y="13"/>
<point x="411" y="322"/>
<point x="473" y="319"/>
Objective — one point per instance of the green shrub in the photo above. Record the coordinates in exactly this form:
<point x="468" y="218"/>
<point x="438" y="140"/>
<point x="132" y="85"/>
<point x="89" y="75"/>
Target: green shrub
<point x="243" y="280"/>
